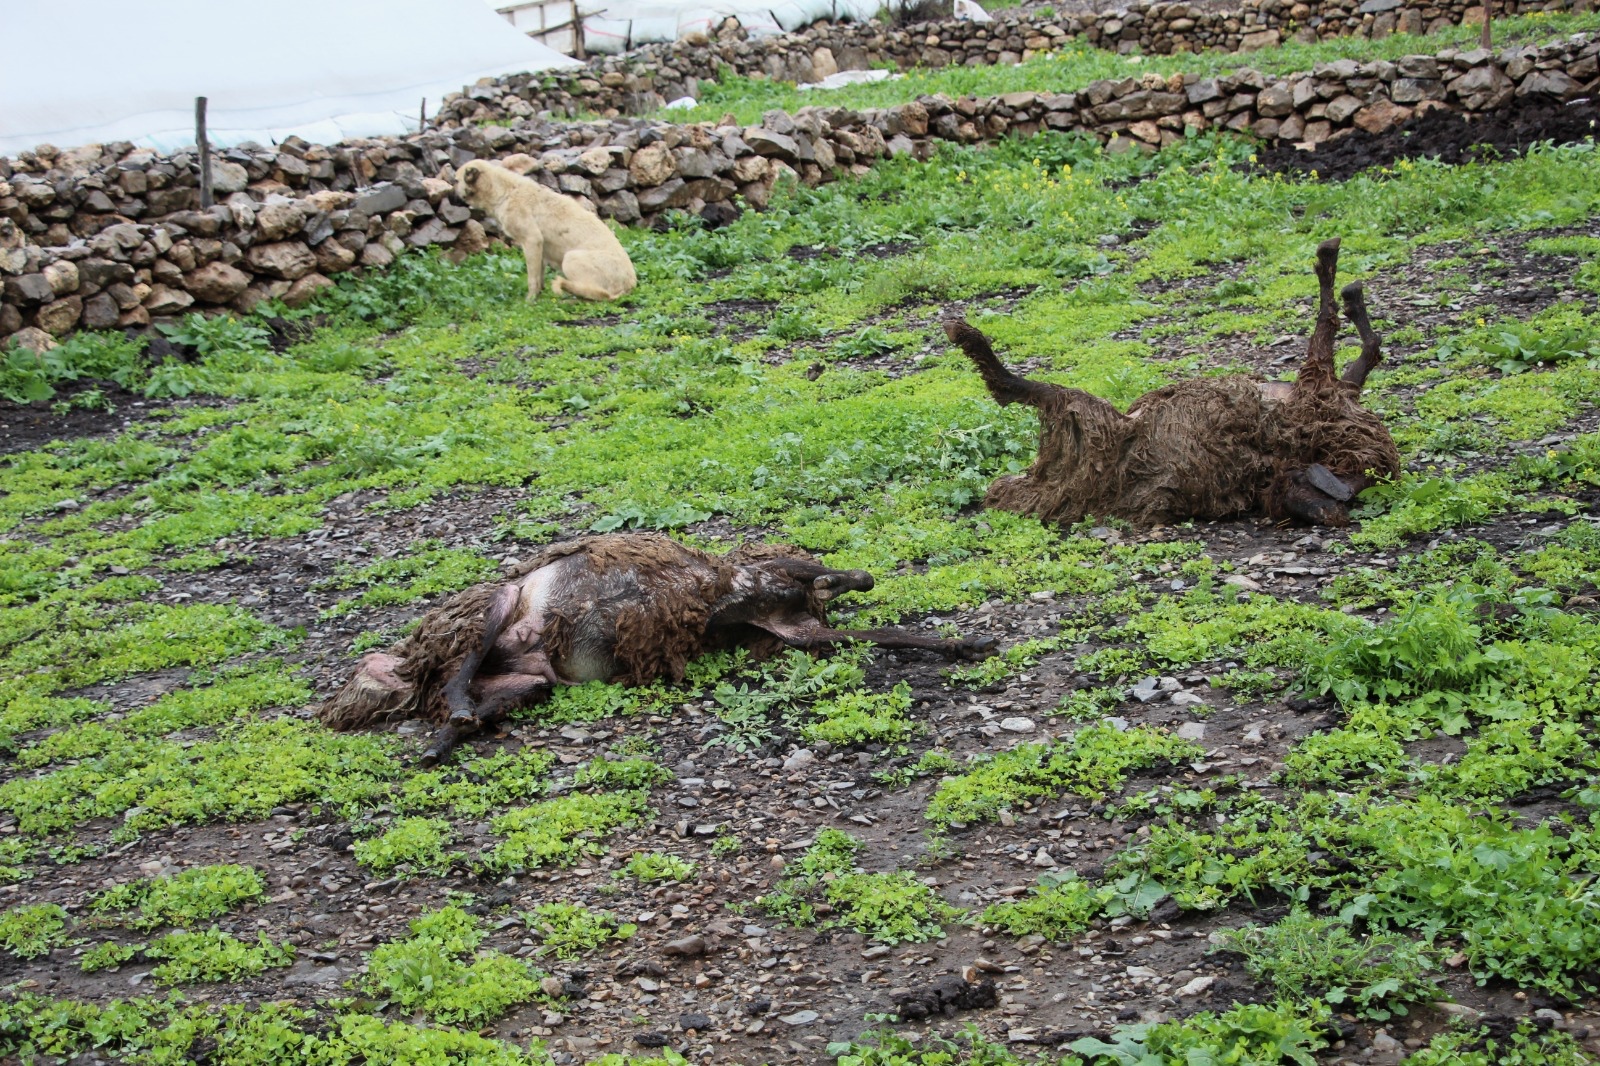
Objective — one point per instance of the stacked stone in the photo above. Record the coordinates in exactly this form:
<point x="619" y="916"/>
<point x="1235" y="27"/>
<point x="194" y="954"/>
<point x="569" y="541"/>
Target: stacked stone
<point x="642" y="80"/>
<point x="107" y="236"/>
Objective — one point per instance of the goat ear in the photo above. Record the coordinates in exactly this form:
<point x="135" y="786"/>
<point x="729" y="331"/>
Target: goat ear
<point x="470" y="176"/>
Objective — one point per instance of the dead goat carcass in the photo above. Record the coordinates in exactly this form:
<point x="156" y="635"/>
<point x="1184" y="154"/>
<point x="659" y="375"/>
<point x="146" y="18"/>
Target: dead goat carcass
<point x="1208" y="448"/>
<point x="621" y="608"/>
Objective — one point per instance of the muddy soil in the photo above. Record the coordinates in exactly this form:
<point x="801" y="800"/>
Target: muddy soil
<point x="1444" y="135"/>
<point x="762" y="992"/>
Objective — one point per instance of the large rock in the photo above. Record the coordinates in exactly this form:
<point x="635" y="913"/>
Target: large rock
<point x="301" y="292"/>
<point x="823" y="64"/>
<point x="1380" y="115"/>
<point x="1254" y="42"/>
<point x="29" y="289"/>
<point x="333" y="257"/>
<point x="1341" y="108"/>
<point x="1549" y="83"/>
<point x="380" y="200"/>
<point x="102" y="273"/>
<point x="772" y="145"/>
<point x="651" y="165"/>
<point x="62" y="276"/>
<point x="33" y="339"/>
<point x="289" y="260"/>
<point x="1483" y="88"/>
<point x="1275" y="101"/>
<point x="472" y="240"/>
<point x="100" y="312"/>
<point x="59" y="316"/>
<point x="281" y="219"/>
<point x="674" y="192"/>
<point x="228" y="178"/>
<point x="216" y="283"/>
<point x="165" y="300"/>
<point x="912" y="118"/>
<point x="622" y="206"/>
<point x="594" y="162"/>
<point x="693" y="163"/>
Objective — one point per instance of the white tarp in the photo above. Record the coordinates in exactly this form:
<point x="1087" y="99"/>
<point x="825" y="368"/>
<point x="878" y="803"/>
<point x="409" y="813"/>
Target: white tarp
<point x="622" y="24"/>
<point x="76" y="72"/>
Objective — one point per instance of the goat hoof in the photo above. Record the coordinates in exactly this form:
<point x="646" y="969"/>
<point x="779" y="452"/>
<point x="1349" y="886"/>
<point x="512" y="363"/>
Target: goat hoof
<point x="1326" y="481"/>
<point x="976" y="648"/>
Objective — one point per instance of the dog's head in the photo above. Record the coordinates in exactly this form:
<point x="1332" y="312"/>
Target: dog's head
<point x="472" y="181"/>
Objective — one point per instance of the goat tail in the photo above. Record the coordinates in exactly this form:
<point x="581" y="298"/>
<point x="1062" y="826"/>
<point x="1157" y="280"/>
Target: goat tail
<point x="1003" y="385"/>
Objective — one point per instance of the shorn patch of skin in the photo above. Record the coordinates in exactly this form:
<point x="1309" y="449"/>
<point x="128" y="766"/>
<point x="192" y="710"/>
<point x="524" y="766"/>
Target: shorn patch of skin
<point x="627" y="608"/>
<point x="1204" y="449"/>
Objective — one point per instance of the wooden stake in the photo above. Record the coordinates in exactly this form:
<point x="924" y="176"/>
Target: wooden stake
<point x="205" y="151"/>
<point x="422" y="116"/>
<point x="1485" y="41"/>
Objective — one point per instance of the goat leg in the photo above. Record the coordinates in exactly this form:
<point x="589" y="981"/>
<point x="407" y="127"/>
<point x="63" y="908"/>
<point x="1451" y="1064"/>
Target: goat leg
<point x="838" y="582"/>
<point x="814" y="634"/>
<point x="508" y="693"/>
<point x="1355" y="309"/>
<point x="1318" y="371"/>
<point x="1004" y="386"/>
<point x="462" y="709"/>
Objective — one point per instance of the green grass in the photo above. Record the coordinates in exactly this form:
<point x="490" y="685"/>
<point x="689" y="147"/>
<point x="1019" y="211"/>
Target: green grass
<point x="183" y="899"/>
<point x="435" y="379"/>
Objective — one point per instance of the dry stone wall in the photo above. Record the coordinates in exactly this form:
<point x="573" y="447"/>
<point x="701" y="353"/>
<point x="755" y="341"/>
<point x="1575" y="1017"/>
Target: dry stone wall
<point x="642" y="80"/>
<point x="107" y="236"/>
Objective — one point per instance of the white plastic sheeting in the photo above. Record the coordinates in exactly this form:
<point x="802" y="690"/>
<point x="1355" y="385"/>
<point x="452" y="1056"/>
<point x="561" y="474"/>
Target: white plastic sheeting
<point x="624" y="24"/>
<point x="90" y="71"/>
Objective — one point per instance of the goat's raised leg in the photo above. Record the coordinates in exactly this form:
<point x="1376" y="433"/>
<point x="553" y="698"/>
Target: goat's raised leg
<point x="1003" y="385"/>
<point x="1318" y="371"/>
<point x="1355" y="309"/>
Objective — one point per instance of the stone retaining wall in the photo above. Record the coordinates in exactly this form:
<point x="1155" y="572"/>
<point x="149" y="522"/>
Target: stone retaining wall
<point x="103" y="237"/>
<point x="642" y="80"/>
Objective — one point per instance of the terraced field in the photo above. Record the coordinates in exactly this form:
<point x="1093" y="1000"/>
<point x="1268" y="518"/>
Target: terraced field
<point x="1231" y="793"/>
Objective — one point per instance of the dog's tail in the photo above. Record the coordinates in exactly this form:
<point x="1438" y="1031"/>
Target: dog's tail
<point x="1003" y="385"/>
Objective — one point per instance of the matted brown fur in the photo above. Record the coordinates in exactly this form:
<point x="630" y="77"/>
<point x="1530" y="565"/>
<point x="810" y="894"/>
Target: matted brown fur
<point x="656" y="637"/>
<point x="1203" y="449"/>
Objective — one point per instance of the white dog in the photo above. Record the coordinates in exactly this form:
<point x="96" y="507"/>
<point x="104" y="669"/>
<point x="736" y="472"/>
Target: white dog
<point x="550" y="228"/>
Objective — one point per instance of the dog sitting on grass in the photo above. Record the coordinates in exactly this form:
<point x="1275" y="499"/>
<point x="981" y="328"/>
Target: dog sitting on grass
<point x="550" y="229"/>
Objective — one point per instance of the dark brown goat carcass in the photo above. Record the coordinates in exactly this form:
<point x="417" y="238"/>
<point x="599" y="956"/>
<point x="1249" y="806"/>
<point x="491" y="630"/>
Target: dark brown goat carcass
<point x="1208" y="448"/>
<point x="623" y="608"/>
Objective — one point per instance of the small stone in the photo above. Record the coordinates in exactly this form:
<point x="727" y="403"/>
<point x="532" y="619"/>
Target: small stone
<point x="1192" y="731"/>
<point x="801" y="1017"/>
<point x="1252" y="737"/>
<point x="1187" y="699"/>
<point x="800" y="759"/>
<point x="1043" y="858"/>
<point x="689" y="946"/>
<point x="1384" y="1044"/>
<point x="1017" y="725"/>
<point x="694" y="1021"/>
<point x="877" y="951"/>
<point x="1197" y="986"/>
<point x="1458" y="1010"/>
<point x="1145" y="689"/>
<point x="552" y="986"/>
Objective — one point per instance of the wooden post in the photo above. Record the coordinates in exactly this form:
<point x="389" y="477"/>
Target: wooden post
<point x="1485" y="41"/>
<point x="422" y="116"/>
<point x="205" y="151"/>
<point x="577" y="32"/>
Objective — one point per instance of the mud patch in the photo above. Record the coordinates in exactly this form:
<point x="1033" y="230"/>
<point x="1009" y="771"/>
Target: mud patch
<point x="1445" y="135"/>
